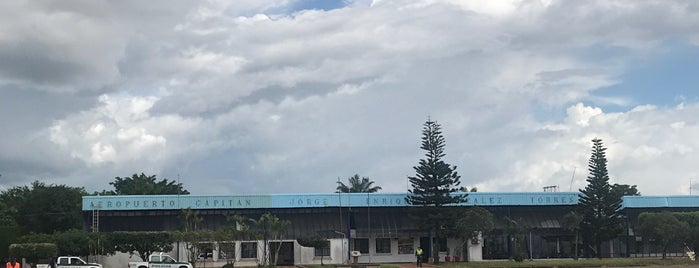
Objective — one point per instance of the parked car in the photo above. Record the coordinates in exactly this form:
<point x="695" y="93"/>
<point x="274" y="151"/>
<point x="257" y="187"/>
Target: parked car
<point x="160" y="260"/>
<point x="206" y="256"/>
<point x="69" y="262"/>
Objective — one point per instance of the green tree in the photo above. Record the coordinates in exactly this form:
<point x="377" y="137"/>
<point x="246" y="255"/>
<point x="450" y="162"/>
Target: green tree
<point x="142" y="244"/>
<point x="190" y="233"/>
<point x="9" y="230"/>
<point x="516" y="229"/>
<point x="598" y="204"/>
<point x="278" y="228"/>
<point x="571" y="221"/>
<point x="33" y="252"/>
<point x="144" y="185"/>
<point x="37" y="238"/>
<point x="44" y="208"/>
<point x="692" y="220"/>
<point x="357" y="185"/>
<point x="621" y="190"/>
<point x="466" y="189"/>
<point x="237" y="229"/>
<point x="473" y="221"/>
<point x="435" y="186"/>
<point x="76" y="242"/>
<point x="206" y="244"/>
<point x="269" y="227"/>
<point x="315" y="242"/>
<point x="662" y="228"/>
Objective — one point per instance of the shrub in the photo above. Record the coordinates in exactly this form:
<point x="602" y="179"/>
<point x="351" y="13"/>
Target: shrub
<point x="34" y="251"/>
<point x="518" y="257"/>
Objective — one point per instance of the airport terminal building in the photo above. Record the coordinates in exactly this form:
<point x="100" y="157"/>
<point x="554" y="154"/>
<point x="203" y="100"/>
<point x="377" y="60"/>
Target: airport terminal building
<point x="376" y="225"/>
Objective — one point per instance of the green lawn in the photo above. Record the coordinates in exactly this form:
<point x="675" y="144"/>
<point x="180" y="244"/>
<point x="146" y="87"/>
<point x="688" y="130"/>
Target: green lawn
<point x="614" y="262"/>
<point x="559" y="263"/>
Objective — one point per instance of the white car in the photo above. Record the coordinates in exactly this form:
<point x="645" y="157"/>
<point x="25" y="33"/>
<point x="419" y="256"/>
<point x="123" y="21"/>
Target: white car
<point x="160" y="260"/>
<point x="74" y="262"/>
<point x="206" y="256"/>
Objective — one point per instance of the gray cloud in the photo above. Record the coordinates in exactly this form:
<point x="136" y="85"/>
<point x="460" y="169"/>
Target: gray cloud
<point x="240" y="98"/>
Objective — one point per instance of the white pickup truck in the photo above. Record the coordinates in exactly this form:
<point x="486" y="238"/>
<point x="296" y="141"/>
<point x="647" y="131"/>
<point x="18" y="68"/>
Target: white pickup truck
<point x="70" y="262"/>
<point x="160" y="260"/>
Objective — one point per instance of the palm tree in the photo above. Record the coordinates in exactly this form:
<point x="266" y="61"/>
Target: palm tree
<point x="571" y="221"/>
<point x="357" y="185"/>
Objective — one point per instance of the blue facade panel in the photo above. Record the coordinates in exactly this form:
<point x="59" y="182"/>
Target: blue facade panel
<point x="166" y="202"/>
<point x="680" y="201"/>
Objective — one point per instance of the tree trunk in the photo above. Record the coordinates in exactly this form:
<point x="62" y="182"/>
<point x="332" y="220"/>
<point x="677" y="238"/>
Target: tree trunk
<point x="576" y="245"/>
<point x="276" y="254"/>
<point x="435" y="250"/>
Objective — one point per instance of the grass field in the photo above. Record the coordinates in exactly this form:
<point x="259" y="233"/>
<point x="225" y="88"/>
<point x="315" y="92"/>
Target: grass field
<point x="615" y="262"/>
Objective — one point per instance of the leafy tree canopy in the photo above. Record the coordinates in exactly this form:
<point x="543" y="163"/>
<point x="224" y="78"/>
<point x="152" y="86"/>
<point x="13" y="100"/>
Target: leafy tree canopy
<point x="663" y="228"/>
<point x="313" y="242"/>
<point x="466" y="189"/>
<point x="75" y="242"/>
<point x="271" y="228"/>
<point x="474" y="221"/>
<point x="692" y="220"/>
<point x="141" y="243"/>
<point x="44" y="208"/>
<point x="140" y="184"/>
<point x="316" y="242"/>
<point x="571" y="221"/>
<point x="32" y="252"/>
<point x="621" y="190"/>
<point x="357" y="185"/>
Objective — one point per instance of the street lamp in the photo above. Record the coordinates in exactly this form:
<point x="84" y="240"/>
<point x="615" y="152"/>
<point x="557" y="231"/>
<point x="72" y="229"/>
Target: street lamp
<point x="343" y="245"/>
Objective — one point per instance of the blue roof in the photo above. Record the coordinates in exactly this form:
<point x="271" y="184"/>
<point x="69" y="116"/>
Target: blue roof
<point x="679" y="201"/>
<point x="165" y="202"/>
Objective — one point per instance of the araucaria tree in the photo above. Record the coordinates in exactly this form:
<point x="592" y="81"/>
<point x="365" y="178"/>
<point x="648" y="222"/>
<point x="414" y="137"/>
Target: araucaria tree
<point x="434" y="186"/>
<point x="599" y="206"/>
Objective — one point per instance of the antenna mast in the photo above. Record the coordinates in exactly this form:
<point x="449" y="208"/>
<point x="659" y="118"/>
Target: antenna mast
<point x="572" y="179"/>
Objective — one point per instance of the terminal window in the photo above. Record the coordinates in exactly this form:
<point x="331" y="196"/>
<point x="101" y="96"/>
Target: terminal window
<point x="324" y="250"/>
<point x="383" y="245"/>
<point x="248" y="250"/>
<point x="226" y="251"/>
<point x="405" y="246"/>
<point x="361" y="245"/>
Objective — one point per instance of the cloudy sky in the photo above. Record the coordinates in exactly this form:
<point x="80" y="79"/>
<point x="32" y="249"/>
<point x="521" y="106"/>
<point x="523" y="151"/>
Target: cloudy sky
<point x="288" y="96"/>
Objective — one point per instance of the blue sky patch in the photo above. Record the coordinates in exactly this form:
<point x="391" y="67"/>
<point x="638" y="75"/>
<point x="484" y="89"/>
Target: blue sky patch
<point x="317" y="4"/>
<point x="665" y="79"/>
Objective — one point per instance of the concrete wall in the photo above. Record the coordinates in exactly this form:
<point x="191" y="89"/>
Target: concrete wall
<point x="475" y="249"/>
<point x="374" y="257"/>
<point x="306" y="255"/>
<point x="339" y="249"/>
